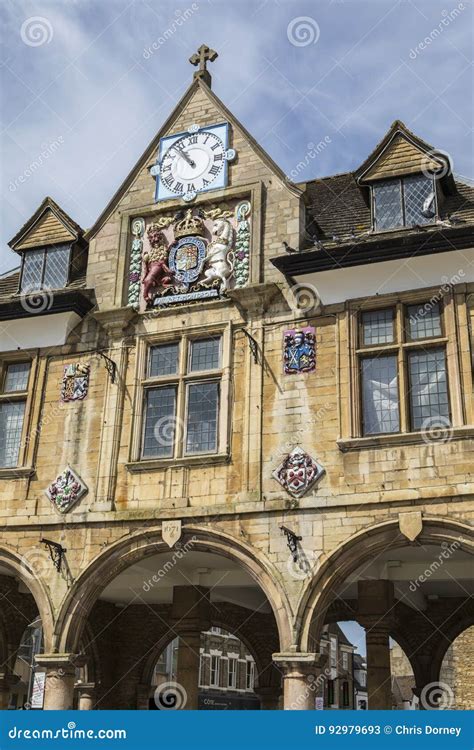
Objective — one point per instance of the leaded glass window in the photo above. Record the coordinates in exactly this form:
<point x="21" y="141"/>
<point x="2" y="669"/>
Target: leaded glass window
<point x="201" y="423"/>
<point x="380" y="395"/>
<point x="11" y="426"/>
<point x="56" y="267"/>
<point x="428" y="388"/>
<point x="160" y="422"/>
<point x="424" y="321"/>
<point x="16" y="377"/>
<point x="45" y="268"/>
<point x="181" y="398"/>
<point x="377" y="327"/>
<point x="408" y="202"/>
<point x="163" y="360"/>
<point x="205" y="354"/>
<point x="388" y="205"/>
<point x="403" y="378"/>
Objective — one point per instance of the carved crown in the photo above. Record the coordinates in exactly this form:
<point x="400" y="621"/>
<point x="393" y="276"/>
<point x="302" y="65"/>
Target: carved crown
<point x="188" y="225"/>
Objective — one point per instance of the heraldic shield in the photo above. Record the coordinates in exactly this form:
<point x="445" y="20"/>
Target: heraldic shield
<point x="186" y="259"/>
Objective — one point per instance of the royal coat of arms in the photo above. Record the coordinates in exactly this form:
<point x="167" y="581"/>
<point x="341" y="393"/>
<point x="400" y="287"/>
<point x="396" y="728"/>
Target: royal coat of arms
<point x="186" y="259"/>
<point x="75" y="382"/>
<point x="298" y="472"/>
<point x="66" y="490"/>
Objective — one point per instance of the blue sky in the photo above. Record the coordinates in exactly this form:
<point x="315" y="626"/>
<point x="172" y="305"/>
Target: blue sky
<point x="79" y="88"/>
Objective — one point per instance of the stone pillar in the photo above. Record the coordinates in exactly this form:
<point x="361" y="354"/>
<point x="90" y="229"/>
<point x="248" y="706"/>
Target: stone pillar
<point x="86" y="696"/>
<point x="60" y="677"/>
<point x="269" y="698"/>
<point x="300" y="679"/>
<point x="188" y="668"/>
<point x="7" y="681"/>
<point x="190" y="615"/>
<point x="143" y="697"/>
<point x="379" y="677"/>
<point x="375" y="603"/>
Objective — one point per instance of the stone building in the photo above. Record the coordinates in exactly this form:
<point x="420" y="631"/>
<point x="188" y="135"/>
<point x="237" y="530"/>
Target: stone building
<point x="238" y="402"/>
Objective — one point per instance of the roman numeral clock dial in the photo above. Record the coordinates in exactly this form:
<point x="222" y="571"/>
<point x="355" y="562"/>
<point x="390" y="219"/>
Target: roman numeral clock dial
<point x="193" y="162"/>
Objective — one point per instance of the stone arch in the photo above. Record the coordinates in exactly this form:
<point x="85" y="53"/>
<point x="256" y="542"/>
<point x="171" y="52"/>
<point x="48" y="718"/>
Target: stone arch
<point x="22" y="570"/>
<point x="458" y="625"/>
<point x="359" y="549"/>
<point x="136" y="546"/>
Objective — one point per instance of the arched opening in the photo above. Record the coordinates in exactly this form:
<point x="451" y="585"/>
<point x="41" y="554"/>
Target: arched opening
<point x="409" y="592"/>
<point x="25" y="626"/>
<point x="140" y="596"/>
<point x="228" y="674"/>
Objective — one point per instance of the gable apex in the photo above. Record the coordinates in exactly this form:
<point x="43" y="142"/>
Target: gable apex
<point x="399" y="153"/>
<point x="48" y="225"/>
<point x="149" y="155"/>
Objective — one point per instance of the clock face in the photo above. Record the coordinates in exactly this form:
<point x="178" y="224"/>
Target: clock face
<point x="192" y="162"/>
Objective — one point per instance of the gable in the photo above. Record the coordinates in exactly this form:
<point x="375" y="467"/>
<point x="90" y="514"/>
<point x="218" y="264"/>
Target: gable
<point x="400" y="157"/>
<point x="199" y="105"/>
<point x="47" y="230"/>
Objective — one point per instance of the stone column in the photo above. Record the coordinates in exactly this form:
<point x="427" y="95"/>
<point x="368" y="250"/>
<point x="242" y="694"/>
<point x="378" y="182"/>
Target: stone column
<point x="300" y="679"/>
<point x="190" y="615"/>
<point x="7" y="681"/>
<point x="375" y="603"/>
<point x="60" y="677"/>
<point x="379" y="677"/>
<point x="269" y="698"/>
<point x="188" y="669"/>
<point x="86" y="696"/>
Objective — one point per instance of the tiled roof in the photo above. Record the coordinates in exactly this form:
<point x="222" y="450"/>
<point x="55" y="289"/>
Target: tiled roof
<point x="57" y="210"/>
<point x="340" y="210"/>
<point x="9" y="285"/>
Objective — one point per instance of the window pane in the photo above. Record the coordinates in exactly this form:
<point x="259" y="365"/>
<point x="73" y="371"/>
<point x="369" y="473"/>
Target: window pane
<point x="32" y="271"/>
<point x="418" y="193"/>
<point x="377" y="327"/>
<point x="205" y="355"/>
<point x="57" y="267"/>
<point x="11" y="425"/>
<point x="388" y="205"/>
<point x="380" y="395"/>
<point x="428" y="387"/>
<point x="16" y="378"/>
<point x="201" y="434"/>
<point x="424" y="321"/>
<point x="163" y="360"/>
<point x="160" y="422"/>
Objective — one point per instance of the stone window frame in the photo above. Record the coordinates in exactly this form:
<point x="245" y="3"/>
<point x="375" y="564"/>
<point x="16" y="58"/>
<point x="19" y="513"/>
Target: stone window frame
<point x="455" y="339"/>
<point x="222" y="453"/>
<point x="24" y="466"/>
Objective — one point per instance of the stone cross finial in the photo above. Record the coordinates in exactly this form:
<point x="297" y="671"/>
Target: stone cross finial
<point x="202" y="57"/>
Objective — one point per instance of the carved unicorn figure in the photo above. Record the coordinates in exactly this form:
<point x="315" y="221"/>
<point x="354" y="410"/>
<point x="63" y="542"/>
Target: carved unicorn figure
<point x="217" y="260"/>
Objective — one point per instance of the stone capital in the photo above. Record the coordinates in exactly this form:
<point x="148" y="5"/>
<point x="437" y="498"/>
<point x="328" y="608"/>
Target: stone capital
<point x="298" y="663"/>
<point x="63" y="664"/>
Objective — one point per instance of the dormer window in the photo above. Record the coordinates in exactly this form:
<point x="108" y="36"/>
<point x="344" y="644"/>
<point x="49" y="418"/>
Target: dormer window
<point x="45" y="268"/>
<point x="405" y="202"/>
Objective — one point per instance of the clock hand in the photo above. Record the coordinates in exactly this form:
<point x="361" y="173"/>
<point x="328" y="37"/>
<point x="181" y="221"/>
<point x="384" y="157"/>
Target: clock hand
<point x="186" y="158"/>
